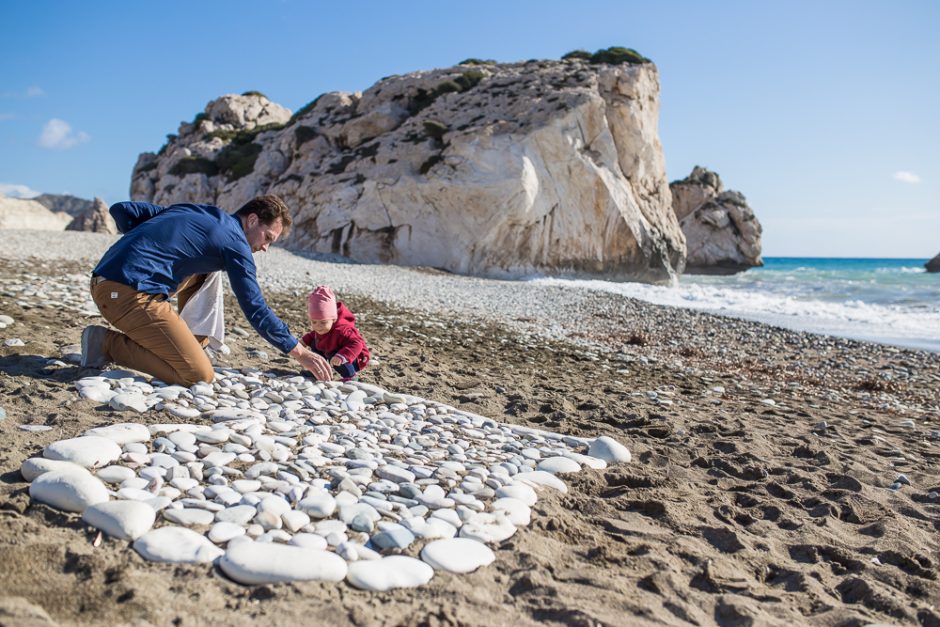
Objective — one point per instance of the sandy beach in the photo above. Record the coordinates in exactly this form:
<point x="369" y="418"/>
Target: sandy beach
<point x="778" y="477"/>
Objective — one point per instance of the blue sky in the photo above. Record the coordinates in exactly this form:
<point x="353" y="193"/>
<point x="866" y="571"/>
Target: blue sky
<point x="824" y="114"/>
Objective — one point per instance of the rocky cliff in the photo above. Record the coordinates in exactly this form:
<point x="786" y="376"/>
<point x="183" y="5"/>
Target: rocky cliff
<point x="933" y="265"/>
<point x="721" y="231"/>
<point x="95" y="219"/>
<point x="71" y="205"/>
<point x="490" y="169"/>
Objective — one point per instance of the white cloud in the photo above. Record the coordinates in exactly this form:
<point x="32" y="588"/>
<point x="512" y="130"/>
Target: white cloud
<point x="33" y="91"/>
<point x="14" y="190"/>
<point x="906" y="177"/>
<point x="58" y="135"/>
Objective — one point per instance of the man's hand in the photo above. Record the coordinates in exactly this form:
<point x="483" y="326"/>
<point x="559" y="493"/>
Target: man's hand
<point x="315" y="364"/>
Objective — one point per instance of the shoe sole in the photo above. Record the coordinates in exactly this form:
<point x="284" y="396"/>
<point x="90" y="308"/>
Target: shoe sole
<point x="85" y="334"/>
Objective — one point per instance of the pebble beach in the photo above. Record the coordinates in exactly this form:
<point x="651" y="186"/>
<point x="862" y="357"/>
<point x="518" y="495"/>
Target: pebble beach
<point x="516" y="453"/>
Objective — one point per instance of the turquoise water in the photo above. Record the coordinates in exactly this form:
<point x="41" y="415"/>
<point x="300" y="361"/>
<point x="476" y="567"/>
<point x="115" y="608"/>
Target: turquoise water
<point x="892" y="301"/>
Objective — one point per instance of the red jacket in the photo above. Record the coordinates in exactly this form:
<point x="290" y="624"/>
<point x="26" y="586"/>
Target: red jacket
<point x="343" y="339"/>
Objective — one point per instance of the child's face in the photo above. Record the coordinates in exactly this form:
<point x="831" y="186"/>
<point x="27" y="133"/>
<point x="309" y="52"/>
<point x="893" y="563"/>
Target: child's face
<point x="321" y="326"/>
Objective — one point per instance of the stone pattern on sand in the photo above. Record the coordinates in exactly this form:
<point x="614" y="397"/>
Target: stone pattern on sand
<point x="288" y="479"/>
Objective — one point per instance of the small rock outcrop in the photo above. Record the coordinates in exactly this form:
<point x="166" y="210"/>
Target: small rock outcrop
<point x="501" y="170"/>
<point x="933" y="265"/>
<point x="721" y="232"/>
<point x="72" y="205"/>
<point x="95" y="219"/>
<point x="18" y="213"/>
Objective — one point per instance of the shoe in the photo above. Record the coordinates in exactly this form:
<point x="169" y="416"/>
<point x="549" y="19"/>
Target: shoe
<point x="93" y="355"/>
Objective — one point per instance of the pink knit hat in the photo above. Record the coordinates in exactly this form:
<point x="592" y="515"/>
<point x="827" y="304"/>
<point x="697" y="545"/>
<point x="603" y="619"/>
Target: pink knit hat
<point x="321" y="304"/>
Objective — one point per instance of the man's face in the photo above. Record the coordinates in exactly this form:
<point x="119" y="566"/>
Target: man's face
<point x="261" y="235"/>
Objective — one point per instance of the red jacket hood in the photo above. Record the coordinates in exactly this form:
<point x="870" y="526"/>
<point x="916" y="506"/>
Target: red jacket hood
<point x="344" y="317"/>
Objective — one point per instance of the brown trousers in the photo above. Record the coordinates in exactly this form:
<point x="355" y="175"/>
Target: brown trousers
<point x="153" y="338"/>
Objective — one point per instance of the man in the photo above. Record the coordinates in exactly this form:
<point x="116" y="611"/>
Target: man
<point x="170" y="250"/>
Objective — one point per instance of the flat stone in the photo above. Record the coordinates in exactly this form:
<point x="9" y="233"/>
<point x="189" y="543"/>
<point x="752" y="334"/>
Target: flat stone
<point x="177" y="545"/>
<point x="35" y="428"/>
<point x="184" y="413"/>
<point x="309" y="541"/>
<point x="430" y="529"/>
<point x="239" y="514"/>
<point x="124" y="520"/>
<point x="69" y="491"/>
<point x="122" y="433"/>
<point x="348" y="512"/>
<point x="89" y="451"/>
<point x="520" y="491"/>
<point x="294" y="521"/>
<point x="35" y="466"/>
<point x="396" y="474"/>
<point x="354" y="402"/>
<point x="457" y="555"/>
<point x="541" y="479"/>
<point x="393" y="537"/>
<point x="189" y="517"/>
<point x="495" y="531"/>
<point x="222" y="532"/>
<point x="114" y="474"/>
<point x="126" y="401"/>
<point x="97" y="393"/>
<point x="388" y="573"/>
<point x="259" y="563"/>
<point x="609" y="450"/>
<point x="558" y="465"/>
<point x="516" y="511"/>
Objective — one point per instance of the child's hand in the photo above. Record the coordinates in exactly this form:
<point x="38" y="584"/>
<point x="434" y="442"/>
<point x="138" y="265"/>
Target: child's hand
<point x="338" y="360"/>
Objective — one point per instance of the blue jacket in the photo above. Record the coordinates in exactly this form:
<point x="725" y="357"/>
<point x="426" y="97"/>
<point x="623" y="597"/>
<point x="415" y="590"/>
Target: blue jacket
<point x="162" y="246"/>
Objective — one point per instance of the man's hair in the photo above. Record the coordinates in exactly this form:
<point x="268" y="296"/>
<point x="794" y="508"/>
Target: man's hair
<point x="268" y="209"/>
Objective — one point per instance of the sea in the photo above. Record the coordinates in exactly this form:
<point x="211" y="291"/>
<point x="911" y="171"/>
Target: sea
<point x="889" y="301"/>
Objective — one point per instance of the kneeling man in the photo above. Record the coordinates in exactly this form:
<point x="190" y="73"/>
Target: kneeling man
<point x="167" y="251"/>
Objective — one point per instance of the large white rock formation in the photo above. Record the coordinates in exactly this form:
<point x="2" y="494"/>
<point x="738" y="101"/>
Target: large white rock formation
<point x="500" y="170"/>
<point x="17" y="213"/>
<point x="722" y="234"/>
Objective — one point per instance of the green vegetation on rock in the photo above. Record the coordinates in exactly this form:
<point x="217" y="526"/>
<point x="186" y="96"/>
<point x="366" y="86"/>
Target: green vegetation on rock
<point x="194" y="165"/>
<point x="459" y="84"/>
<point x="473" y="61"/>
<point x="578" y="54"/>
<point x="615" y="55"/>
<point x="435" y="130"/>
<point x="255" y="93"/>
<point x="237" y="160"/>
<point x="304" y="110"/>
<point x="243" y="136"/>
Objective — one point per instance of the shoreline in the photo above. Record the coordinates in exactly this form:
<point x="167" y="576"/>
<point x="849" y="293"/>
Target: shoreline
<point x="428" y="289"/>
<point x="759" y="491"/>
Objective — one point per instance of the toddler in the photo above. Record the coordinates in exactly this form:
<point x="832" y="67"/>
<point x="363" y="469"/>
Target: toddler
<point x="334" y="335"/>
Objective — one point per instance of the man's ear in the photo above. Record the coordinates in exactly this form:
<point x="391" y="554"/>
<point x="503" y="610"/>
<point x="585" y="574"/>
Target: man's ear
<point x="252" y="220"/>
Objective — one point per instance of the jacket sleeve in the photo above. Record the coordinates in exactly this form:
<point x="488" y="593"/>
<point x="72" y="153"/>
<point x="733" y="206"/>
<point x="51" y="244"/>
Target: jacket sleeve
<point x="242" y="275"/>
<point x="352" y="345"/>
<point x="128" y="215"/>
<point x="309" y="339"/>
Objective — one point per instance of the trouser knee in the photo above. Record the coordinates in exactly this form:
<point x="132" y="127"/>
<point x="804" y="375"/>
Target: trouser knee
<point x="197" y="373"/>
